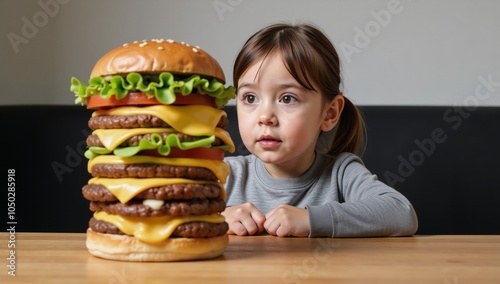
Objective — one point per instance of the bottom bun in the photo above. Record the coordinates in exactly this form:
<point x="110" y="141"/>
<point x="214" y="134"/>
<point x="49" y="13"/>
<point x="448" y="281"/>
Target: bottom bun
<point x="128" y="248"/>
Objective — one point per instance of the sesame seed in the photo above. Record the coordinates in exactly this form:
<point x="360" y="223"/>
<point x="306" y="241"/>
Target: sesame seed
<point x="195" y="50"/>
<point x="125" y="44"/>
<point x="170" y="40"/>
<point x="161" y="48"/>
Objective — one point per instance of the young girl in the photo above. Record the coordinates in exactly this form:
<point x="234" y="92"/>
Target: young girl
<point x="287" y="79"/>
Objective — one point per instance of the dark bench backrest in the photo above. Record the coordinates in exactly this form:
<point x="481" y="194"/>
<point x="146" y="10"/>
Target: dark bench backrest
<point x="444" y="159"/>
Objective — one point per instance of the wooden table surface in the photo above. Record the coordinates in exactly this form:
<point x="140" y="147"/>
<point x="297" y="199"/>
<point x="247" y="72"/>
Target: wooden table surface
<point x="63" y="258"/>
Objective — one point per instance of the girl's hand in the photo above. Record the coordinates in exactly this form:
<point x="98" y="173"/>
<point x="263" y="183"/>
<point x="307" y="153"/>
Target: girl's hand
<point x="286" y="220"/>
<point x="244" y="219"/>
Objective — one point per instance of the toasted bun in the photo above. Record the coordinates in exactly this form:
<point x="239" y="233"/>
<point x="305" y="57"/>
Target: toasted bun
<point x="127" y="248"/>
<point x="158" y="56"/>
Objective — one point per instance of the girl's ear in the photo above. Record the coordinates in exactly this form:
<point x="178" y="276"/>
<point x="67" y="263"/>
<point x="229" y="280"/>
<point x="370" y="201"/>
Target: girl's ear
<point x="333" y="110"/>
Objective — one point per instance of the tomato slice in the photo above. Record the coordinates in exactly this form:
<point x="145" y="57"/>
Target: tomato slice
<point x="196" y="153"/>
<point x="96" y="101"/>
<point x="139" y="98"/>
<point x="195" y="99"/>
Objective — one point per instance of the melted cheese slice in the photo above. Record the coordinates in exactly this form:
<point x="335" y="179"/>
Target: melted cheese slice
<point x="219" y="168"/>
<point x="112" y="138"/>
<point x="153" y="229"/>
<point x="127" y="188"/>
<point x="194" y="120"/>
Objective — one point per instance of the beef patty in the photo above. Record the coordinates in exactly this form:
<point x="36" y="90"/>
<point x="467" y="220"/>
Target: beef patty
<point x="135" y="121"/>
<point x="135" y="208"/>
<point x="187" y="230"/>
<point x="151" y="171"/>
<point x="99" y="193"/>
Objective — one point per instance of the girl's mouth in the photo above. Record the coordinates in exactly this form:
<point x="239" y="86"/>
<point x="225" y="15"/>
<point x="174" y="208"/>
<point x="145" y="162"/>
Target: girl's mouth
<point x="268" y="142"/>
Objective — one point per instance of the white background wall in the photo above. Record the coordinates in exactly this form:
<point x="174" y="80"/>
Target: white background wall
<point x="427" y="53"/>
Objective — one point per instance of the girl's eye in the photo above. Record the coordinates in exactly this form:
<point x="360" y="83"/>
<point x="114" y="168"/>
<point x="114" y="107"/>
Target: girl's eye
<point x="288" y="99"/>
<point x="250" y="99"/>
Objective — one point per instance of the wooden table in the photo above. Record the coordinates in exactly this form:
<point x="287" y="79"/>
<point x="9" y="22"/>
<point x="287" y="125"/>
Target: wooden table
<point x="63" y="258"/>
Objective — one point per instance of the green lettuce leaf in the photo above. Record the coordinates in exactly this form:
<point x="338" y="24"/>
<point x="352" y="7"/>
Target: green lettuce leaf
<point x="164" y="90"/>
<point x="156" y="142"/>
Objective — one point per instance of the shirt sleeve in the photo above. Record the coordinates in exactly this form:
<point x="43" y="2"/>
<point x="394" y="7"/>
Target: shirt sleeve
<point x="367" y="207"/>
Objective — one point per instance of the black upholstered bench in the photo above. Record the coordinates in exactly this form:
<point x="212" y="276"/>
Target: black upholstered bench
<point x="444" y="159"/>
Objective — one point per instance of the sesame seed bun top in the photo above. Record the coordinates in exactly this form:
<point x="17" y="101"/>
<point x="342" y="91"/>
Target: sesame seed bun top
<point x="158" y="55"/>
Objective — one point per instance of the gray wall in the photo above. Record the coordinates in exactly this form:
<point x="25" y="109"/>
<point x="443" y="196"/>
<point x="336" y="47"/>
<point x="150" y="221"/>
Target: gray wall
<point x="393" y="52"/>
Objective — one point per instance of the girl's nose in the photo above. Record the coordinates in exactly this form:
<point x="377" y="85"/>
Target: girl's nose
<point x="267" y="117"/>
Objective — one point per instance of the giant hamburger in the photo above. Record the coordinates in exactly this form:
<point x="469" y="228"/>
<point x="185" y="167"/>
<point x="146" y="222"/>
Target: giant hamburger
<point x="156" y="152"/>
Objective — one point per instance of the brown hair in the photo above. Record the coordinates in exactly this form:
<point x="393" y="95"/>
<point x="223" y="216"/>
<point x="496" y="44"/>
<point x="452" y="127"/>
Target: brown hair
<point x="312" y="60"/>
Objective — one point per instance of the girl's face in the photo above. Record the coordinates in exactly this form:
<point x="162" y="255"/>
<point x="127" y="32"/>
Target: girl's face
<point x="279" y="120"/>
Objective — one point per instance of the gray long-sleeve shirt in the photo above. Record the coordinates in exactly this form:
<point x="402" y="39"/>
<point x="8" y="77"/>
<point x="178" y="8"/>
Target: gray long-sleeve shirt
<point x="343" y="198"/>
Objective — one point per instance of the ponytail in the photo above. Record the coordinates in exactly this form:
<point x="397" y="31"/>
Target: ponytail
<point x="350" y="135"/>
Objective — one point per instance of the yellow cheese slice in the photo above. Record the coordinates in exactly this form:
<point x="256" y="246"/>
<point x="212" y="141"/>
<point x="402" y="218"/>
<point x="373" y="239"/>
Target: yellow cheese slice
<point x="219" y="168"/>
<point x="225" y="137"/>
<point x="153" y="229"/>
<point x="194" y="120"/>
<point x="127" y="188"/>
<point x="112" y="138"/>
